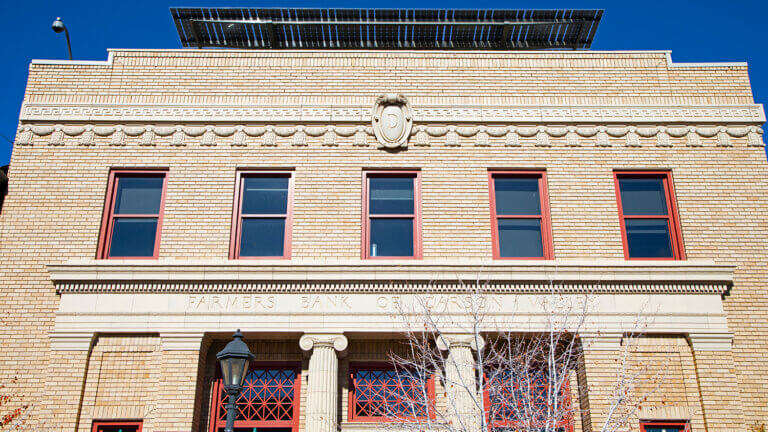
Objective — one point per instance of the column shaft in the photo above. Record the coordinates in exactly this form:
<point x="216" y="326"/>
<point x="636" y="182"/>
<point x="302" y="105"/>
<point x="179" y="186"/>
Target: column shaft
<point x="322" y="394"/>
<point x="461" y="388"/>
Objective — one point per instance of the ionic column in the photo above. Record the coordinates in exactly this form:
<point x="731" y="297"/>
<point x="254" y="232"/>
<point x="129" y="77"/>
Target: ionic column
<point x="460" y="380"/>
<point x="323" y="381"/>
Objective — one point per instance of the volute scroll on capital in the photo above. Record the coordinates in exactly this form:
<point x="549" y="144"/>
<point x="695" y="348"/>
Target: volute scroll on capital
<point x="339" y="342"/>
<point x="446" y="341"/>
<point x="392" y="121"/>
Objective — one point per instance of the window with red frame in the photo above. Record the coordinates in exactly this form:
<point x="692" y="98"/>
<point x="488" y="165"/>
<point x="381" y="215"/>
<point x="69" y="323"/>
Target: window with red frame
<point x="520" y="215"/>
<point x="527" y="401"/>
<point x="648" y="214"/>
<point x="664" y="426"/>
<point x="117" y="426"/>
<point x="392" y="219"/>
<point x="262" y="222"/>
<point x="269" y="400"/>
<point x="133" y="214"/>
<point x="383" y="393"/>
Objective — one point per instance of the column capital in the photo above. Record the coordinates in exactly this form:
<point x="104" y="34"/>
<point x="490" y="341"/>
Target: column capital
<point x="181" y="341"/>
<point x="446" y="341"/>
<point x="71" y="341"/>
<point x="711" y="341"/>
<point x="601" y="341"/>
<point x="338" y="341"/>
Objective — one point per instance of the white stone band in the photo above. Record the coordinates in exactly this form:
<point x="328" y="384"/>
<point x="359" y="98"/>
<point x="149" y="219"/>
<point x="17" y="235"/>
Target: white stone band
<point x="589" y="114"/>
<point x="420" y="135"/>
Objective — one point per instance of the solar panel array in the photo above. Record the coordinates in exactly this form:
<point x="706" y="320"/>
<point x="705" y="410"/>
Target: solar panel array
<point x="296" y="28"/>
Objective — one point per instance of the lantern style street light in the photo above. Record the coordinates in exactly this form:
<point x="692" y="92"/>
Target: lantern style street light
<point x="234" y="359"/>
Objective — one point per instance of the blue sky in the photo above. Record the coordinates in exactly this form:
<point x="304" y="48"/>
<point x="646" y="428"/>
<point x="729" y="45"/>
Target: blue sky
<point x="695" y="31"/>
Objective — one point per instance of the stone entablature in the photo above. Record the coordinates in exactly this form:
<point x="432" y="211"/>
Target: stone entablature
<point x="332" y="297"/>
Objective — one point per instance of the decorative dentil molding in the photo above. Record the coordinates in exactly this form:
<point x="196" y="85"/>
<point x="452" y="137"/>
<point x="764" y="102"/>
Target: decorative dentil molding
<point x="597" y="114"/>
<point x="421" y="135"/>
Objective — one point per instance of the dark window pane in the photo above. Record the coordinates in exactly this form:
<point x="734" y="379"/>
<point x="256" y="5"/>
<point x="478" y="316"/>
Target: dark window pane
<point x="648" y="238"/>
<point x="138" y="195"/>
<point x="520" y="238"/>
<point x="643" y="196"/>
<point x="664" y="428"/>
<point x="133" y="237"/>
<point x="517" y="196"/>
<point x="262" y="237"/>
<point x="265" y="195"/>
<point x="117" y="428"/>
<point x="391" y="195"/>
<point x="391" y="237"/>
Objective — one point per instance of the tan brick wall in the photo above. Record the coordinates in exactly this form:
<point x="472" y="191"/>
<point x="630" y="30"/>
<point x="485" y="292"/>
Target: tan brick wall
<point x="56" y="194"/>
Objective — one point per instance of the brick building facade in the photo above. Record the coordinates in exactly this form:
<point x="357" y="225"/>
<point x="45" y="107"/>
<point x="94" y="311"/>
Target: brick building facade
<point x="97" y="336"/>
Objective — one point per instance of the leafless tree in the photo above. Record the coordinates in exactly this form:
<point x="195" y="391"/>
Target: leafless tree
<point x="495" y="379"/>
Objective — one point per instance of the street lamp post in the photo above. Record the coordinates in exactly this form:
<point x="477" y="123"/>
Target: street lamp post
<point x="235" y="359"/>
<point x="58" y="27"/>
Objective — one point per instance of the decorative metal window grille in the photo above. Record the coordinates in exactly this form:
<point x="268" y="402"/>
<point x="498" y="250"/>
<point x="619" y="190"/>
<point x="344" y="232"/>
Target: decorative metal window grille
<point x="516" y="400"/>
<point x="270" y="397"/>
<point x="386" y="393"/>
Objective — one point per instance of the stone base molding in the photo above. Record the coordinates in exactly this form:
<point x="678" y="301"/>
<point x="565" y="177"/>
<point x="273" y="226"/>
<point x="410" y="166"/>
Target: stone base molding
<point x="323" y="380"/>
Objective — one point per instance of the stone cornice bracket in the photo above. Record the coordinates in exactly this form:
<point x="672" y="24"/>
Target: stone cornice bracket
<point x="181" y="341"/>
<point x="711" y="341"/>
<point x="446" y="341"/>
<point x="337" y="341"/>
<point x="71" y="341"/>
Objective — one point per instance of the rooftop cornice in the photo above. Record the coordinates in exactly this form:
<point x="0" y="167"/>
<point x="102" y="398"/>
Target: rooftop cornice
<point x="186" y="52"/>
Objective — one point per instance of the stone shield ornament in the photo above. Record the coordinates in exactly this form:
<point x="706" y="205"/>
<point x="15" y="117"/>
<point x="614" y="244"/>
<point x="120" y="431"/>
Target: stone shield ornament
<point x="392" y="121"/>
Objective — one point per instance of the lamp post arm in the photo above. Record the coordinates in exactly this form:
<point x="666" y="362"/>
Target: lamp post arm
<point x="69" y="47"/>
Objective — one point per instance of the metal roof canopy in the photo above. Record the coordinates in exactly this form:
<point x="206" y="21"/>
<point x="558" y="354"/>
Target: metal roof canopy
<point x="420" y="29"/>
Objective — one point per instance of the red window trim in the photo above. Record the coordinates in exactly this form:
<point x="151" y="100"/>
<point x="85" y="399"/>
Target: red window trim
<point x="675" y="234"/>
<point x="215" y="425"/>
<point x="351" y="399"/>
<point x="567" y="424"/>
<point x="546" y="226"/>
<point x="99" y="423"/>
<point x="684" y="423"/>
<point x="234" y="242"/>
<point x="107" y="223"/>
<point x="417" y="247"/>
